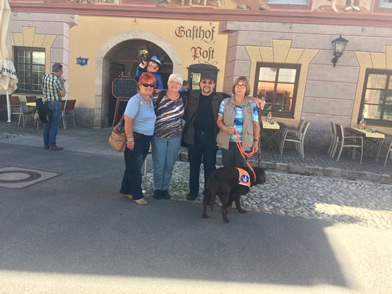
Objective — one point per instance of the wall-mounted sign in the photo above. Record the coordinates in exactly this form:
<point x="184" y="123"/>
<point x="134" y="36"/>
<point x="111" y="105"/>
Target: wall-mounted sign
<point x="81" y="60"/>
<point x="199" y="33"/>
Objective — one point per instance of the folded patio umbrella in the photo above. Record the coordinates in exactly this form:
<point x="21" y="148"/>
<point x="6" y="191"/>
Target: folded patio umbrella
<point x="8" y="78"/>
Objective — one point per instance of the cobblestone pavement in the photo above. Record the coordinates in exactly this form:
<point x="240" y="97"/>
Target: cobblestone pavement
<point x="312" y="197"/>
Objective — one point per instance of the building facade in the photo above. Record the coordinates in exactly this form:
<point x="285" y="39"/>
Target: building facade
<point x="283" y="47"/>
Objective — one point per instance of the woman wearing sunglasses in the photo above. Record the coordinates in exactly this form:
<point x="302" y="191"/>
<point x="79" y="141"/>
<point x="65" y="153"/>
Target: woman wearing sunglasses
<point x="139" y="117"/>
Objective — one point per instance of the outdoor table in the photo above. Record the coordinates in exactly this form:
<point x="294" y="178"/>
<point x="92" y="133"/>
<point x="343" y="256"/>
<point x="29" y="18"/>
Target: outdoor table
<point x="269" y="134"/>
<point x="373" y="141"/>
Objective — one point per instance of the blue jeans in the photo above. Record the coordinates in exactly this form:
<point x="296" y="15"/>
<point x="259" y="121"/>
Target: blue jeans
<point x="232" y="157"/>
<point x="54" y="118"/>
<point x="204" y="147"/>
<point x="132" y="179"/>
<point x="164" y="155"/>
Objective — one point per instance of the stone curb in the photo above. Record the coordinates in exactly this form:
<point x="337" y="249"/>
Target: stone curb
<point x="307" y="170"/>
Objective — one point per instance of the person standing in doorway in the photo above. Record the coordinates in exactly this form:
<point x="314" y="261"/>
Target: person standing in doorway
<point x="53" y="91"/>
<point x="152" y="66"/>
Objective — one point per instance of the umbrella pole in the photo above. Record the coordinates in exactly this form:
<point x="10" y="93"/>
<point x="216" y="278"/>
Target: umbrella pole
<point x="8" y="107"/>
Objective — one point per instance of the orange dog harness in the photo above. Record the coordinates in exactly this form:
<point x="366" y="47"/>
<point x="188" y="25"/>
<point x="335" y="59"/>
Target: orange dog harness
<point x="244" y="178"/>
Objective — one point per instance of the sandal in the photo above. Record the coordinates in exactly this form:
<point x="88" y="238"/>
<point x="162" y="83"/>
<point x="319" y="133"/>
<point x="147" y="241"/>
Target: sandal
<point x="129" y="196"/>
<point x="141" y="201"/>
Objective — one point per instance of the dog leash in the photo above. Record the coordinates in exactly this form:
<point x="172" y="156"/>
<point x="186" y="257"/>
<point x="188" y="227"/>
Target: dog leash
<point x="242" y="152"/>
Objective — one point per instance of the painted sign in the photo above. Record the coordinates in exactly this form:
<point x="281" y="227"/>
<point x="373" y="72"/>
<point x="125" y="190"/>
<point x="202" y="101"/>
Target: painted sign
<point x="201" y="54"/>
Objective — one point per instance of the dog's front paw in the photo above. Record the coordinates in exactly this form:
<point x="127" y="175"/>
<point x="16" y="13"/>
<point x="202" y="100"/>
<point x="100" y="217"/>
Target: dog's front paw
<point x="204" y="216"/>
<point x="242" y="210"/>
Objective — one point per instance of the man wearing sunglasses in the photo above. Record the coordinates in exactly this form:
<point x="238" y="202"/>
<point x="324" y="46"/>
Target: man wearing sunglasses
<point x="200" y="130"/>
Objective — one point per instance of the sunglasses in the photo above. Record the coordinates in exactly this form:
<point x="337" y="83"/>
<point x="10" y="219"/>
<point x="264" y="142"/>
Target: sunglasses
<point x="207" y="82"/>
<point x="148" y="85"/>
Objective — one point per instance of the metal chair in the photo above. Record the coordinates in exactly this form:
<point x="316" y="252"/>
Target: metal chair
<point x="17" y="108"/>
<point x="68" y="110"/>
<point x="297" y="137"/>
<point x="331" y="147"/>
<point x="388" y="146"/>
<point x="347" y="142"/>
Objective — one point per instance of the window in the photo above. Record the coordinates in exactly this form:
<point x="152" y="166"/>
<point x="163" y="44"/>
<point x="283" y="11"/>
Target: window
<point x="384" y="3"/>
<point x="30" y="67"/>
<point x="278" y="85"/>
<point x="376" y="103"/>
<point x="289" y="2"/>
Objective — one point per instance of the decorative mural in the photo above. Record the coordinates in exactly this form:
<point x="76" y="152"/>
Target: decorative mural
<point x="330" y="6"/>
<point x="342" y="6"/>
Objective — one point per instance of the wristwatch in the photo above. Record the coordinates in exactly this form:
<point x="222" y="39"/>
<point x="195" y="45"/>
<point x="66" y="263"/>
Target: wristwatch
<point x="130" y="139"/>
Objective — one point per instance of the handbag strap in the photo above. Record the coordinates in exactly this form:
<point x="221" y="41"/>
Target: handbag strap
<point x="121" y="121"/>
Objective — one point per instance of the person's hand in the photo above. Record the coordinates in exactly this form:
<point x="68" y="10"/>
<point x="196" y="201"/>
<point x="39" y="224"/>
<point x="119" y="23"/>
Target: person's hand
<point x="229" y="130"/>
<point x="131" y="145"/>
<point x="143" y="64"/>
<point x="255" y="146"/>
<point x="260" y="103"/>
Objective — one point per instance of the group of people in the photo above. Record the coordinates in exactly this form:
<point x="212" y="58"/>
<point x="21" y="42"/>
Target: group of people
<point x="210" y="120"/>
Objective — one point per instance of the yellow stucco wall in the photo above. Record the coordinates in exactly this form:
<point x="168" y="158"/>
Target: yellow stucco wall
<point x="92" y="34"/>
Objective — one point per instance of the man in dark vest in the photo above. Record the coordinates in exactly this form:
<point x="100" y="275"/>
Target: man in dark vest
<point x="200" y="115"/>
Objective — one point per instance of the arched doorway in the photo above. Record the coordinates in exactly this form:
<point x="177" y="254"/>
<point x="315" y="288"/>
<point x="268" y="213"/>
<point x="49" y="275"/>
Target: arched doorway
<point x="124" y="61"/>
<point x="121" y="54"/>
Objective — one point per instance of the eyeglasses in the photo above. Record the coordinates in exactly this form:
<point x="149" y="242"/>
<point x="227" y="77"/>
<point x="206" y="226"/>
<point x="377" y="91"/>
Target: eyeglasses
<point x="148" y="85"/>
<point x="172" y="82"/>
<point x="204" y="82"/>
<point x="240" y="85"/>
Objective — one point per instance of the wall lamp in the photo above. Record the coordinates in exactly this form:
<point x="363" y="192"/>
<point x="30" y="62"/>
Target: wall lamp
<point x="338" y="46"/>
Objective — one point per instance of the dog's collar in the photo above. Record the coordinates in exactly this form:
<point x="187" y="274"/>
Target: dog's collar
<point x="244" y="178"/>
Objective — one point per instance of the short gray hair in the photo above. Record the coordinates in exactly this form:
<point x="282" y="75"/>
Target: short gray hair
<point x="56" y="67"/>
<point x="177" y="76"/>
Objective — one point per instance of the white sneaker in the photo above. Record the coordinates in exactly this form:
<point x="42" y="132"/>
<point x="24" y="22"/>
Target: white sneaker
<point x="356" y="8"/>
<point x="348" y="8"/>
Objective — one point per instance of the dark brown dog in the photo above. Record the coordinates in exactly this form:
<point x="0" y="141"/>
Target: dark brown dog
<point x="224" y="182"/>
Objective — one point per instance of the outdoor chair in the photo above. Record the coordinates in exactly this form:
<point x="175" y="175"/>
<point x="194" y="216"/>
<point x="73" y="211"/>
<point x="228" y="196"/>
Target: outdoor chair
<point x="31" y="99"/>
<point x="297" y="137"/>
<point x="17" y="108"/>
<point x="344" y="141"/>
<point x="388" y="146"/>
<point x="333" y="139"/>
<point x="68" y="111"/>
<point x="3" y="103"/>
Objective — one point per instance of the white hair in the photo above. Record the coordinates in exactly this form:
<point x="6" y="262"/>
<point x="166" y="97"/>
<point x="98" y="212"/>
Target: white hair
<point x="177" y="76"/>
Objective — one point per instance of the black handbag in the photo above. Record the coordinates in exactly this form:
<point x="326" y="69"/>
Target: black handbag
<point x="42" y="110"/>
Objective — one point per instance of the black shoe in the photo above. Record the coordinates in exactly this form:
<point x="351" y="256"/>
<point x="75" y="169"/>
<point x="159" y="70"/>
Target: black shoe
<point x="191" y="196"/>
<point x="165" y="194"/>
<point x="157" y="194"/>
